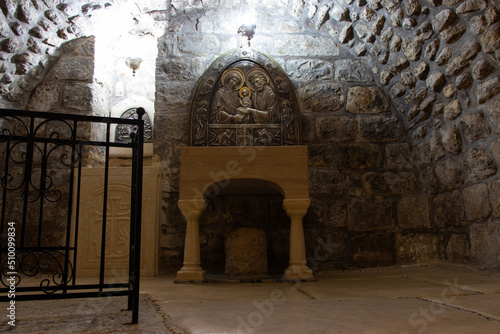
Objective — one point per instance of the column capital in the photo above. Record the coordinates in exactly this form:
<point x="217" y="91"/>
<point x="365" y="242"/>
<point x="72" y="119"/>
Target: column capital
<point x="296" y="206"/>
<point x="192" y="208"/>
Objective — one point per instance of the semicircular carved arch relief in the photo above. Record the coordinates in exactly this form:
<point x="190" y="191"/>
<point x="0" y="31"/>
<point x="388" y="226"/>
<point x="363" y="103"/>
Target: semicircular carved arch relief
<point x="245" y="99"/>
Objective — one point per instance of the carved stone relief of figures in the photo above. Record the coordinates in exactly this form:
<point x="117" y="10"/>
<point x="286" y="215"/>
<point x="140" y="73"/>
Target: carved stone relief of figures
<point x="267" y="137"/>
<point x="254" y="103"/>
<point x="264" y="99"/>
<point x="208" y="85"/>
<point x="281" y="85"/>
<point x="245" y="94"/>
<point x="200" y="122"/>
<point x="288" y="123"/>
<point x="243" y="99"/>
<point x="222" y="138"/>
<point x="226" y="100"/>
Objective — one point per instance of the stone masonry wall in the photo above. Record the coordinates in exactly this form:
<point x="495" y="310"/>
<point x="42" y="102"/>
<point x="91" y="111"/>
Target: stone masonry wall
<point x="400" y="106"/>
<point x="30" y="34"/>
<point x="403" y="153"/>
<point x="69" y="87"/>
<point x="45" y="62"/>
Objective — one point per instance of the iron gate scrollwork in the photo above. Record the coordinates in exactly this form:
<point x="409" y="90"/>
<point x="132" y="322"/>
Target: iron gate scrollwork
<point x="42" y="156"/>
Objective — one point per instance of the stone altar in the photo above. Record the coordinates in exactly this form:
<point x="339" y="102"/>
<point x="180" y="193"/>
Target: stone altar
<point x="284" y="168"/>
<point x="245" y="128"/>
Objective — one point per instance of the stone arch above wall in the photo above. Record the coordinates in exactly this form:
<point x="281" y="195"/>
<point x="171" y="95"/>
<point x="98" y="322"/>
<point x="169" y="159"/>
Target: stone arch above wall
<point x="222" y="115"/>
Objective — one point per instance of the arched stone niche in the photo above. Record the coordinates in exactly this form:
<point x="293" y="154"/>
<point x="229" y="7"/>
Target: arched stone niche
<point x="228" y="153"/>
<point x="93" y="180"/>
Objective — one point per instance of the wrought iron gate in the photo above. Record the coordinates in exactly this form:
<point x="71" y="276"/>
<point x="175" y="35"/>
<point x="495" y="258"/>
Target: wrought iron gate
<point x="41" y="159"/>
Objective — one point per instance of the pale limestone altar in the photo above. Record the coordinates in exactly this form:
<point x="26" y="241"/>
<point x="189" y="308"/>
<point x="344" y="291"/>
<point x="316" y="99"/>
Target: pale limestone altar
<point x="117" y="221"/>
<point x="285" y="168"/>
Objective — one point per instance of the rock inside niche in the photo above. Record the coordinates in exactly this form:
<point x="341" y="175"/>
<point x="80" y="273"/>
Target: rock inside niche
<point x="246" y="253"/>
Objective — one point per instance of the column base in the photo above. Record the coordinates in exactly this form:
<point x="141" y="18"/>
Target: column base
<point x="298" y="272"/>
<point x="191" y="275"/>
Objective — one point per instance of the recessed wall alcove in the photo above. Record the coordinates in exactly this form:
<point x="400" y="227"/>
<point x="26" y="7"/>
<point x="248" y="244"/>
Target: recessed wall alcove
<point x="244" y="205"/>
<point x="246" y="156"/>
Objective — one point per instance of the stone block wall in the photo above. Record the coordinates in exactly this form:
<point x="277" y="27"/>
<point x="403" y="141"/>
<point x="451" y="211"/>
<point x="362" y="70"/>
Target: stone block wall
<point x="400" y="106"/>
<point x="68" y="86"/>
<point x="30" y="34"/>
<point x="400" y="126"/>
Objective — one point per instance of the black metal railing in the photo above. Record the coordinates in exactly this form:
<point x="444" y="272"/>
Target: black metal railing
<point x="41" y="161"/>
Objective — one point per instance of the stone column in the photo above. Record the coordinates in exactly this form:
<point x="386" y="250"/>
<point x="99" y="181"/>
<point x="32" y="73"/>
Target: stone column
<point x="296" y="210"/>
<point x="191" y="270"/>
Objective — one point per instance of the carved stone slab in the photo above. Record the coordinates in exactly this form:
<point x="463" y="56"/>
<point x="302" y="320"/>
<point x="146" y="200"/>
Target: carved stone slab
<point x="117" y="222"/>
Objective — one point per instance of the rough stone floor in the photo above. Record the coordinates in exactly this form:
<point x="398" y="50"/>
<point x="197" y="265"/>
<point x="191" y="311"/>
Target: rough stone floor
<point x="419" y="299"/>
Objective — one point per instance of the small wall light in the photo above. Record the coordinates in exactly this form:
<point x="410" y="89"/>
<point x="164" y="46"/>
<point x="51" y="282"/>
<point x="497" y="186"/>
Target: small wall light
<point x="134" y="64"/>
<point x="248" y="26"/>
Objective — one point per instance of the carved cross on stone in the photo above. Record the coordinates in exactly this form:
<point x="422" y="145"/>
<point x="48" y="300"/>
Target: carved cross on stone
<point x="244" y="136"/>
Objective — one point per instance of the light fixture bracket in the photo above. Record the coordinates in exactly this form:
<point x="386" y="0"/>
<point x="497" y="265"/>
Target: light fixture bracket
<point x="134" y="64"/>
<point x="247" y="30"/>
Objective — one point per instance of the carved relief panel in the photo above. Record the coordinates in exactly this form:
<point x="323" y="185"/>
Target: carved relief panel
<point x="245" y="99"/>
<point x="117" y="221"/>
<point x="123" y="131"/>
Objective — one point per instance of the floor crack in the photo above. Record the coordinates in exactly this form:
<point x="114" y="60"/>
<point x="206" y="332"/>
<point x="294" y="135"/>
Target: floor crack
<point x="306" y="293"/>
<point x="461" y="287"/>
<point x="488" y="317"/>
